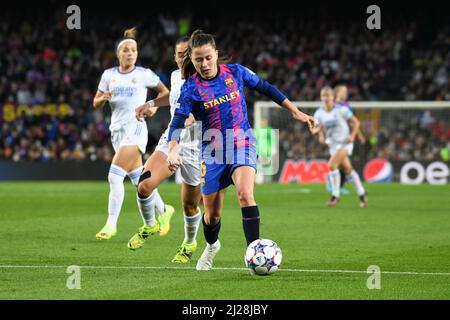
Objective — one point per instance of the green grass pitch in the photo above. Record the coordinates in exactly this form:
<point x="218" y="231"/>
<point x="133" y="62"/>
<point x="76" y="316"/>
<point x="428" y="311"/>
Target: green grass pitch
<point x="47" y="226"/>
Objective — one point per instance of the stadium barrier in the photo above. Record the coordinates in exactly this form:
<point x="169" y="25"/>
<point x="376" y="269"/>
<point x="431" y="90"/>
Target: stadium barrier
<point x="54" y="170"/>
<point x="291" y="171"/>
<point x="374" y="171"/>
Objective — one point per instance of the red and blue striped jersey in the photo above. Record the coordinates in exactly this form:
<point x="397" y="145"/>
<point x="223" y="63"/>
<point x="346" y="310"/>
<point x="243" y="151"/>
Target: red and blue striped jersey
<point x="220" y="103"/>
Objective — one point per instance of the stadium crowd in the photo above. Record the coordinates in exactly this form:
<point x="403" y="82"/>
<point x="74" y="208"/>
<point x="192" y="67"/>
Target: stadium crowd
<point x="419" y="137"/>
<point x="42" y="62"/>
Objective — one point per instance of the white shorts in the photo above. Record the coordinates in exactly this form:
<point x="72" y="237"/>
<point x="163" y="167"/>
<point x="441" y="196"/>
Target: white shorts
<point x="337" y="146"/>
<point x="190" y="154"/>
<point x="132" y="134"/>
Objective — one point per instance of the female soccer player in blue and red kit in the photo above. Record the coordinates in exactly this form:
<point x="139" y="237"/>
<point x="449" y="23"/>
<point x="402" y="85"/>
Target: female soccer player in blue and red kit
<point x="214" y="94"/>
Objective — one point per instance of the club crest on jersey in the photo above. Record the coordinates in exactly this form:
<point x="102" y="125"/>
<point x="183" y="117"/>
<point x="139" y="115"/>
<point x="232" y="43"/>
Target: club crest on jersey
<point x="133" y="80"/>
<point x="229" y="82"/>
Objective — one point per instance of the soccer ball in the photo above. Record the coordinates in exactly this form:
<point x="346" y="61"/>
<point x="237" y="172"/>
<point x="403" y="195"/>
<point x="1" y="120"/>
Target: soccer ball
<point x="263" y="257"/>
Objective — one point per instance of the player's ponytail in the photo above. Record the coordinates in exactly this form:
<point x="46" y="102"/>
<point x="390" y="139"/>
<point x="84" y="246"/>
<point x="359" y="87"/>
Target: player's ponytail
<point x="187" y="68"/>
<point x="198" y="39"/>
<point x="128" y="35"/>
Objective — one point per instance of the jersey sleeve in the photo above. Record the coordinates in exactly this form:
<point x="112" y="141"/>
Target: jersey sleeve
<point x="151" y="79"/>
<point x="346" y="112"/>
<point x="104" y="82"/>
<point x="250" y="78"/>
<point x="172" y="80"/>
<point x="185" y="101"/>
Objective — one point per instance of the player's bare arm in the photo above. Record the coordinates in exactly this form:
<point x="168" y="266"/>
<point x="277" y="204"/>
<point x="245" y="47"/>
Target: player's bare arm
<point x="149" y="108"/>
<point x="361" y="136"/>
<point x="189" y="121"/>
<point x="321" y="137"/>
<point x="354" y="123"/>
<point x="316" y="129"/>
<point x="173" y="158"/>
<point x="297" y="114"/>
<point x="101" y="98"/>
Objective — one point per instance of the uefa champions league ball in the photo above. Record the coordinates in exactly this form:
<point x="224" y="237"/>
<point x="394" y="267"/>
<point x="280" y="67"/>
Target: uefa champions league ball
<point x="263" y="257"/>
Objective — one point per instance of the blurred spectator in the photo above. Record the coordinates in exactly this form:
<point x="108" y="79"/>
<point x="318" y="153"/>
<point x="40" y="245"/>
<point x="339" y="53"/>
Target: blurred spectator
<point x="43" y="62"/>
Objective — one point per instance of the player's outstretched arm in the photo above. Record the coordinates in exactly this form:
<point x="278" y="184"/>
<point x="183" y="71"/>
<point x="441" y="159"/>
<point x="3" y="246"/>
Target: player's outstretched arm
<point x="278" y="97"/>
<point x="149" y="108"/>
<point x="297" y="114"/>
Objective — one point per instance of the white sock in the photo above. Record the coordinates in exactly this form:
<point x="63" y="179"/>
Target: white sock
<point x="335" y="179"/>
<point x="116" y="176"/>
<point x="354" y="179"/>
<point x="191" y="225"/>
<point x="147" y="209"/>
<point x="159" y="203"/>
<point x="134" y="175"/>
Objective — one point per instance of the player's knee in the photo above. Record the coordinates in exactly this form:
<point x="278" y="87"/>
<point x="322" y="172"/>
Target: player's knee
<point x="246" y="198"/>
<point x="211" y="219"/>
<point x="190" y="208"/>
<point x="145" y="186"/>
<point x="332" y="166"/>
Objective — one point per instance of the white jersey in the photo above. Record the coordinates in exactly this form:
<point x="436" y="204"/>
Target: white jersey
<point x="191" y="135"/>
<point x="335" y="122"/>
<point x="129" y="92"/>
<point x="176" y="82"/>
<point x="189" y="139"/>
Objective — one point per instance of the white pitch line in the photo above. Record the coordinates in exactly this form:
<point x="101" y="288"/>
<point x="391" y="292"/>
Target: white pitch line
<point x="223" y="268"/>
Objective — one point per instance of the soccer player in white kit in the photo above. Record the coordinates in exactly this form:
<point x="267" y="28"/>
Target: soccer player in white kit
<point x="334" y="119"/>
<point x="156" y="169"/>
<point x="125" y="87"/>
<point x="341" y="98"/>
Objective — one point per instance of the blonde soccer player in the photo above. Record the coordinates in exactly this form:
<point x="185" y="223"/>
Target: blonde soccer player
<point x="334" y="120"/>
<point x="125" y="87"/>
<point x="341" y="98"/>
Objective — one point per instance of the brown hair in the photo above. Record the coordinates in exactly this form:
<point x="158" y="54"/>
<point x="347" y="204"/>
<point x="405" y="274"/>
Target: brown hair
<point x="182" y="39"/>
<point x="198" y="39"/>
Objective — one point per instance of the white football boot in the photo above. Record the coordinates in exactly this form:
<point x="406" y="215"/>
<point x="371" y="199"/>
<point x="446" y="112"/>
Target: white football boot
<point x="206" y="260"/>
